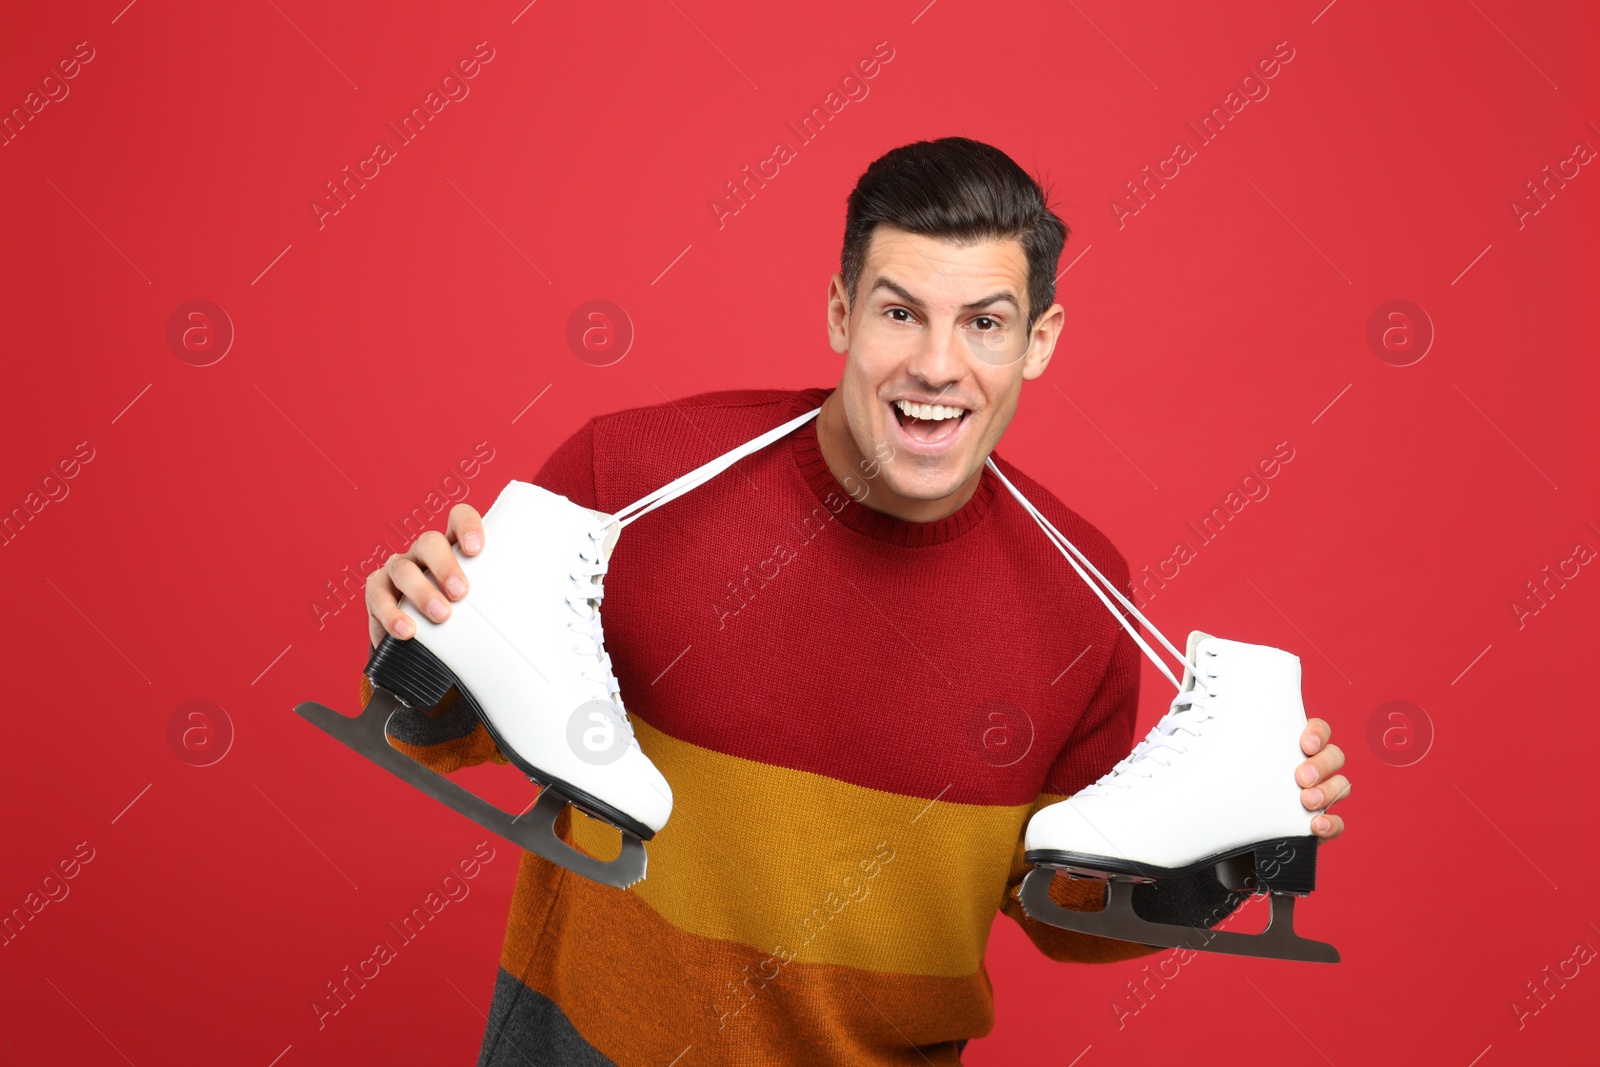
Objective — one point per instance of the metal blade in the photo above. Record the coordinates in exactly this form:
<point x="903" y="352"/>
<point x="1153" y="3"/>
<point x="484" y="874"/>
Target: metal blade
<point x="533" y="830"/>
<point x="1119" y="921"/>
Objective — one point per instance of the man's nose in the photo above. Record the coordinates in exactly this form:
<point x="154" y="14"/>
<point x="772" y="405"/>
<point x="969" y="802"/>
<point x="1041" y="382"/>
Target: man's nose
<point x="940" y="358"/>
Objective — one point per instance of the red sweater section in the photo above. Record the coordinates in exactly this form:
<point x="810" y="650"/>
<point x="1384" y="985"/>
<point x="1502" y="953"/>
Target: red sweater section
<point x="771" y="616"/>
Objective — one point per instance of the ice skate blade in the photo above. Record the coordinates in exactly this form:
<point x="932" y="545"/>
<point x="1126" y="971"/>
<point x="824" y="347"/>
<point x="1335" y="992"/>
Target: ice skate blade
<point x="534" y="830"/>
<point x="1119" y="922"/>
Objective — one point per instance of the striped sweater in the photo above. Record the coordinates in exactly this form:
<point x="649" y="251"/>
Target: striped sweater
<point x="857" y="715"/>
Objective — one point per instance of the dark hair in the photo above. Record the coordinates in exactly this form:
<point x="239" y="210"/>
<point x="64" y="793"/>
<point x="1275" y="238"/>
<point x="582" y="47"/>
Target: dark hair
<point x="961" y="190"/>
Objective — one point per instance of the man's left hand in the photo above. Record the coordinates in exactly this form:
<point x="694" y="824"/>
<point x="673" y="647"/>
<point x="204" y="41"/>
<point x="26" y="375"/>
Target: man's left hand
<point x="1321" y="786"/>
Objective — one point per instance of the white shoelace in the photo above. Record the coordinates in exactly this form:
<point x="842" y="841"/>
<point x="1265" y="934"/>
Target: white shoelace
<point x="584" y="600"/>
<point x="1188" y="713"/>
<point x="587" y="580"/>
<point x="1070" y="550"/>
<point x="1189" y="709"/>
<point x="707" y="471"/>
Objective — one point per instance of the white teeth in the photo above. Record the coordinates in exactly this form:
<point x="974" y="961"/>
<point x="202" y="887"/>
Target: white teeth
<point x="933" y="412"/>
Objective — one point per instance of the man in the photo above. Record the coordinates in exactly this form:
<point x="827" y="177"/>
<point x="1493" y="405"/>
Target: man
<point x="860" y="668"/>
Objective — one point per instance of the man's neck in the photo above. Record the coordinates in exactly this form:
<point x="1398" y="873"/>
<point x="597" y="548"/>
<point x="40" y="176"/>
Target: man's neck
<point x="851" y="469"/>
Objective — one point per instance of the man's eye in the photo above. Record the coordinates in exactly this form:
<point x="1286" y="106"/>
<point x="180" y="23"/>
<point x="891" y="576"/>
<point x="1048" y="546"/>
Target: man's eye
<point x="984" y="318"/>
<point x="901" y="311"/>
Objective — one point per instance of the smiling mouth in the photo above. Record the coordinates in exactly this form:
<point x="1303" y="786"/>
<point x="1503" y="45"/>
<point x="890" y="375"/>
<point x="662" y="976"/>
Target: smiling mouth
<point x="928" y="424"/>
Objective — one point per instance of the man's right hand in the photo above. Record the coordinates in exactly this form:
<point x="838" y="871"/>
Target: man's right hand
<point x="407" y="575"/>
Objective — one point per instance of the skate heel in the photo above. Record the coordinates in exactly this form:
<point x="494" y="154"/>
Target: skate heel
<point x="409" y="671"/>
<point x="1287" y="865"/>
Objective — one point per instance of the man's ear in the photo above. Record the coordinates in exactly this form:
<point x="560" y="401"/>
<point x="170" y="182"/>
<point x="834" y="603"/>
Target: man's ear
<point x="838" y="315"/>
<point x="1042" y="341"/>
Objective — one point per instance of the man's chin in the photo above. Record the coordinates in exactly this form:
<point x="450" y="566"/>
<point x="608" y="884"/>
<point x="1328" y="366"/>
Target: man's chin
<point x="927" y="487"/>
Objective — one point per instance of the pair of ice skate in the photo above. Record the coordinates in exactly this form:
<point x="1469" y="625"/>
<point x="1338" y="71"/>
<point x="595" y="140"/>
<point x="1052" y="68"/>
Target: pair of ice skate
<point x="1210" y="785"/>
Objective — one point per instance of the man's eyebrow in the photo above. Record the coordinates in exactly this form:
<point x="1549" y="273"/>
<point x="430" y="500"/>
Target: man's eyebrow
<point x="896" y="288"/>
<point x="1003" y="295"/>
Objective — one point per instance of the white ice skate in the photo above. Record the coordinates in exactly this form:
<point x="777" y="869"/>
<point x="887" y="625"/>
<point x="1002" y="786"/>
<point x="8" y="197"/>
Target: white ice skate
<point x="1211" y="784"/>
<point x="526" y="652"/>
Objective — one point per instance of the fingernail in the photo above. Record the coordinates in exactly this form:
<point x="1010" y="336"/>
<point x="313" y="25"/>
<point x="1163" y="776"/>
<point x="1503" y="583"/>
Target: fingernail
<point x="437" y="610"/>
<point x="1319" y="823"/>
<point x="1316" y="798"/>
<point x="402" y="627"/>
<point x="471" y="542"/>
<point x="456" y="587"/>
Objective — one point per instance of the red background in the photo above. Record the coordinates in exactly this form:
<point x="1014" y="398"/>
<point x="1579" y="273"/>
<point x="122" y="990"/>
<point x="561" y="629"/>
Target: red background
<point x="373" y="353"/>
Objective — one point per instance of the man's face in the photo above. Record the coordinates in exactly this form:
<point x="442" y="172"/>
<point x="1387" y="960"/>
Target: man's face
<point x="937" y="348"/>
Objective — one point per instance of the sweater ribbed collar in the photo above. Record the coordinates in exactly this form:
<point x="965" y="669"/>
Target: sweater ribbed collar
<point x="814" y="470"/>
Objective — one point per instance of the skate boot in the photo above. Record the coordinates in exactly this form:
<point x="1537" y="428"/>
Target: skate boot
<point x="526" y="652"/>
<point x="1211" y="785"/>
